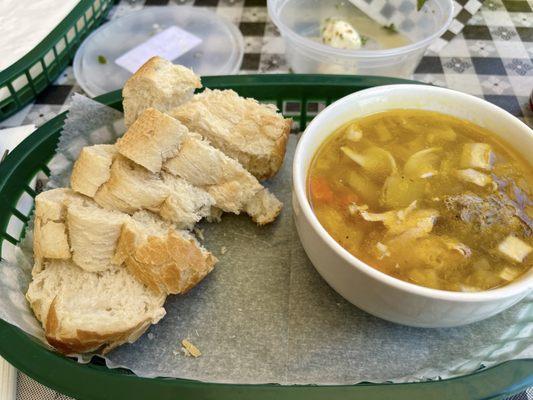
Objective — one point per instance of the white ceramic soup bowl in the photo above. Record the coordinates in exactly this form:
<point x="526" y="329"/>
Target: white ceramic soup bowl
<point x="365" y="287"/>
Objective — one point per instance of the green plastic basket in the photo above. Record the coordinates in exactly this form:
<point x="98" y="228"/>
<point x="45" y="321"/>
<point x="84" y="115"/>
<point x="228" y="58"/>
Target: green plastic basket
<point x="24" y="80"/>
<point x="301" y="97"/>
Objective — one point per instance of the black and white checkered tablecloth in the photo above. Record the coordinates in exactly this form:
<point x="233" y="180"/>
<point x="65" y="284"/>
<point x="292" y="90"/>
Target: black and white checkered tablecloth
<point x="491" y="58"/>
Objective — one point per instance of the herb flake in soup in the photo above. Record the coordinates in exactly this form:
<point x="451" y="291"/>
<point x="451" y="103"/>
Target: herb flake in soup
<point x="427" y="198"/>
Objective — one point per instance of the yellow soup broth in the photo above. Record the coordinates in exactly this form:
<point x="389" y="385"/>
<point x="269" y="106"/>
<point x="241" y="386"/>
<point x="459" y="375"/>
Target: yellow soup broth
<point x="426" y="198"/>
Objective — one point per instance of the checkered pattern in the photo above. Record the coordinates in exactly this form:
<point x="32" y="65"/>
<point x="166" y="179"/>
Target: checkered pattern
<point x="490" y="58"/>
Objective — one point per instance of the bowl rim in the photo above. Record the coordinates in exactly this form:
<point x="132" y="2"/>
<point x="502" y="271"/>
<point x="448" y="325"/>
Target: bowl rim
<point x="514" y="288"/>
<point x="382" y="53"/>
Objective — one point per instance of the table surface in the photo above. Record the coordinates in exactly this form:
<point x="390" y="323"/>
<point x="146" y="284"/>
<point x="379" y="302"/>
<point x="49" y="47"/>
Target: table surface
<point x="491" y="58"/>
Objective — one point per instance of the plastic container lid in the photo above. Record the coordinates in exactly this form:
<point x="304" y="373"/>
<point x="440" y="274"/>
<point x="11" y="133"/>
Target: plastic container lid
<point x="217" y="45"/>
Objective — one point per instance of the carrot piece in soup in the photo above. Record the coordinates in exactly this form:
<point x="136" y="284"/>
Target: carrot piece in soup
<point x="320" y="189"/>
<point x="348" y="199"/>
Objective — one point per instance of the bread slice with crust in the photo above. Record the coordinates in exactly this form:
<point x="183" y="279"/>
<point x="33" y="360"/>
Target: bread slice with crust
<point x="158" y="84"/>
<point x="93" y="234"/>
<point x="250" y="132"/>
<point x="50" y="240"/>
<point x="208" y="178"/>
<point x="255" y="134"/>
<point x="92" y="168"/>
<point x="51" y="205"/>
<point x="71" y="226"/>
<point x="162" y="257"/>
<point x="264" y="207"/>
<point x="131" y="188"/>
<point x="151" y="139"/>
<point x="186" y="204"/>
<point x="232" y="187"/>
<point x="128" y="187"/>
<point x="83" y="311"/>
<point x="50" y="236"/>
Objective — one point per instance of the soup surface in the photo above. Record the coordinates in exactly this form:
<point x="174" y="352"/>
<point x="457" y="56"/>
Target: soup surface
<point x="426" y="198"/>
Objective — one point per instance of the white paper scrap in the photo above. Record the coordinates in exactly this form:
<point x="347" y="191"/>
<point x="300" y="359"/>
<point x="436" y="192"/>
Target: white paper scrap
<point x="171" y="43"/>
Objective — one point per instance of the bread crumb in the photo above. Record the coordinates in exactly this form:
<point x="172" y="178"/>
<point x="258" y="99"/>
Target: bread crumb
<point x="150" y="336"/>
<point x="190" y="348"/>
<point x="195" y="331"/>
<point x="223" y="250"/>
<point x="199" y="232"/>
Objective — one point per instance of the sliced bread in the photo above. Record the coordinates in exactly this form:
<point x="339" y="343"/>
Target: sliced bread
<point x="51" y="205"/>
<point x="231" y="186"/>
<point x="50" y="240"/>
<point x="84" y="311"/>
<point x="186" y="205"/>
<point x="254" y="134"/>
<point x="72" y="226"/>
<point x="50" y="236"/>
<point x="250" y="132"/>
<point x="92" y="168"/>
<point x="162" y="257"/>
<point x="131" y="188"/>
<point x="264" y="207"/>
<point x="151" y="139"/>
<point x="93" y="234"/>
<point x="158" y="84"/>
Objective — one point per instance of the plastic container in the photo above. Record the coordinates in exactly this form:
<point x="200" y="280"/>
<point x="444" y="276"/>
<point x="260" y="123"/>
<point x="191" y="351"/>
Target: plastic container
<point x="219" y="53"/>
<point x="300" y="97"/>
<point x="24" y="80"/>
<point x="299" y="22"/>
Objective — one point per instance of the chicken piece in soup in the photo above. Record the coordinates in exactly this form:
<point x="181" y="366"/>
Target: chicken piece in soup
<point x="427" y="198"/>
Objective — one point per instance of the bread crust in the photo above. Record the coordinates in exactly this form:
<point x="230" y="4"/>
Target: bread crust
<point x="159" y="84"/>
<point x="172" y="264"/>
<point x="233" y="188"/>
<point x="50" y="233"/>
<point x="92" y="168"/>
<point x="61" y="282"/>
<point x="130" y="188"/>
<point x="151" y="139"/>
<point x="84" y="341"/>
<point x="250" y="132"/>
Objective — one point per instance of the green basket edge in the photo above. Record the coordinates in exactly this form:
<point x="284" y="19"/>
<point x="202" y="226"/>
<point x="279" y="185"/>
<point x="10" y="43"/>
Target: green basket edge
<point x="26" y="62"/>
<point x="495" y="382"/>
